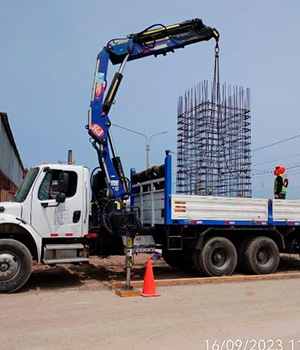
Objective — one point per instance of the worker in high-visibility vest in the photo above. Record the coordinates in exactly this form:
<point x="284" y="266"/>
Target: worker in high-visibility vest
<point x="280" y="182"/>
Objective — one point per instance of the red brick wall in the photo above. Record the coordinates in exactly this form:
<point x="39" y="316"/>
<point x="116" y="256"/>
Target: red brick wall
<point x="7" y="188"/>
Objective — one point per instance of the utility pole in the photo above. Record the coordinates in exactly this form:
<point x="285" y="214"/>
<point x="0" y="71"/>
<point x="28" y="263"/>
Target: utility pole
<point x="147" y="141"/>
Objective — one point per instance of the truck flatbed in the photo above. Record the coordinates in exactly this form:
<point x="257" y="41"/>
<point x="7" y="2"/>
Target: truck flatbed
<point x="161" y="206"/>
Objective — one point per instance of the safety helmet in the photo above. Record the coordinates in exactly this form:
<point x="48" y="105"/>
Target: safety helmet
<point x="279" y="170"/>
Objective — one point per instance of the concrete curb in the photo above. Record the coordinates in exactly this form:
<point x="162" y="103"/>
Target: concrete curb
<point x="211" y="280"/>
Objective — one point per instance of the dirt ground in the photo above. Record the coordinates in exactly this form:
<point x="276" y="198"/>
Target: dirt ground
<point x="100" y="272"/>
<point x="262" y="315"/>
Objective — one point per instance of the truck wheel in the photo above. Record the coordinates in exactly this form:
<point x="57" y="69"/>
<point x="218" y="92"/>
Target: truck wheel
<point x="217" y="258"/>
<point x="241" y="254"/>
<point x="196" y="257"/>
<point x="177" y="258"/>
<point x="15" y="265"/>
<point x="261" y="255"/>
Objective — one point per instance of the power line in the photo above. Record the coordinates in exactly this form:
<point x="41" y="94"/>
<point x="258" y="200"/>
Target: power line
<point x="276" y="143"/>
<point x="274" y="160"/>
<point x="290" y="169"/>
<point x="287" y="166"/>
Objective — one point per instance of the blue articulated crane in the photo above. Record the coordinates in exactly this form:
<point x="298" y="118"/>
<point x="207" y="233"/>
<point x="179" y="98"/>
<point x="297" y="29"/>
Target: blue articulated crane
<point x="109" y="185"/>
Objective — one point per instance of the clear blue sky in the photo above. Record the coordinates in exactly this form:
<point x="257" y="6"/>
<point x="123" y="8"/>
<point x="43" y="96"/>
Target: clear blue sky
<point x="47" y="60"/>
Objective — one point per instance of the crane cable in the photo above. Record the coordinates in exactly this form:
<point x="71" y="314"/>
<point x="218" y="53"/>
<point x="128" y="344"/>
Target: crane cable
<point x="216" y="100"/>
<point x="215" y="94"/>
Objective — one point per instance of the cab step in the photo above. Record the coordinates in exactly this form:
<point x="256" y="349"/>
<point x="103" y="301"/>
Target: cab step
<point x="65" y="253"/>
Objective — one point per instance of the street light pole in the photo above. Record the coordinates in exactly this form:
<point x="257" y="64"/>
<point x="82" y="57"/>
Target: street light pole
<point x="147" y="155"/>
<point x="148" y="146"/>
<point x="147" y="141"/>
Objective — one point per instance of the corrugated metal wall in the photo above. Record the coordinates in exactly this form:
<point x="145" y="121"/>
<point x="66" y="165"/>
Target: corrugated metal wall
<point x="11" y="171"/>
<point x="9" y="163"/>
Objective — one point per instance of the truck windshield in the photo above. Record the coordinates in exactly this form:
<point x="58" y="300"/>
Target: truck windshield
<point x="23" y="190"/>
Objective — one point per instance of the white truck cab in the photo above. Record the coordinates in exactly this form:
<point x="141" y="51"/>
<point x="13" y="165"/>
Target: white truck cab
<point x="51" y="205"/>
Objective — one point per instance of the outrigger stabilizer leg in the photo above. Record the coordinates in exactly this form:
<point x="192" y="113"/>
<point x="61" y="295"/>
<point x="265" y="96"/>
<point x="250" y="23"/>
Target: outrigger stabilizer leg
<point x="128" y="290"/>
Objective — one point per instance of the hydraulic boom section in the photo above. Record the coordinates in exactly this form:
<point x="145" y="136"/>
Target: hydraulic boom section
<point x="155" y="40"/>
<point x="159" y="39"/>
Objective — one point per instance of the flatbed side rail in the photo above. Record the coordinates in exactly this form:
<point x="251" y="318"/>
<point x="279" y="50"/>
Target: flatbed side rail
<point x="159" y="206"/>
<point x="150" y="201"/>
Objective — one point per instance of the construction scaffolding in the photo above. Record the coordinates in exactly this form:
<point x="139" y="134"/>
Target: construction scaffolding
<point x="214" y="141"/>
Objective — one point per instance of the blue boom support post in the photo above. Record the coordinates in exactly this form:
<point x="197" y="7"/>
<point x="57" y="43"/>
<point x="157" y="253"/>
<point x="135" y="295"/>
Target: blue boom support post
<point x="168" y="188"/>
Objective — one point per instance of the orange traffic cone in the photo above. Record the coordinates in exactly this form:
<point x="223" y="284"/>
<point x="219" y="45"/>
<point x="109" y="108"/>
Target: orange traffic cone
<point x="149" y="284"/>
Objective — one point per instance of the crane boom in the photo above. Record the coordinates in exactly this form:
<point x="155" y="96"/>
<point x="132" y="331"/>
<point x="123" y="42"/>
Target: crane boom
<point x="159" y="39"/>
<point x="155" y="40"/>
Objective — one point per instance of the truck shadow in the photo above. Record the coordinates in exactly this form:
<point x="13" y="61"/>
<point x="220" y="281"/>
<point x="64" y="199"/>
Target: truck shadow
<point x="51" y="278"/>
<point x="289" y="263"/>
<point x="100" y="272"/>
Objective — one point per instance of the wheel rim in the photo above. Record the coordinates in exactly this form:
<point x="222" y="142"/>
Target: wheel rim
<point x="218" y="257"/>
<point x="263" y="255"/>
<point x="9" y="265"/>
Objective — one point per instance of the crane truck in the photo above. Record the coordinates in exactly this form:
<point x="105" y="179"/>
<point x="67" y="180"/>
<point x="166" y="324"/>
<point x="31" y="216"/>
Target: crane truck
<point x="52" y="219"/>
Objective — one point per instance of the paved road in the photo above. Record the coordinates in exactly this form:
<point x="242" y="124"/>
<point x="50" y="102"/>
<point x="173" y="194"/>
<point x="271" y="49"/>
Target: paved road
<point x="183" y="317"/>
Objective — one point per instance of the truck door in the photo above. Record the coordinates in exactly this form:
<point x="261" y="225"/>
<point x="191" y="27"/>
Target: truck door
<point x="52" y="219"/>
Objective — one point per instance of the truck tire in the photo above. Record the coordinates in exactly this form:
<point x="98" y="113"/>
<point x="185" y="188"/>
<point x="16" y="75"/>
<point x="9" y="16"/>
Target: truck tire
<point x="196" y="257"/>
<point x="217" y="258"/>
<point x="261" y="255"/>
<point x="179" y="259"/>
<point x="241" y="254"/>
<point x="15" y="265"/>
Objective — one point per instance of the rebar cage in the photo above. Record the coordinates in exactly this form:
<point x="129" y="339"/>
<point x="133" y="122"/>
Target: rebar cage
<point x="214" y="142"/>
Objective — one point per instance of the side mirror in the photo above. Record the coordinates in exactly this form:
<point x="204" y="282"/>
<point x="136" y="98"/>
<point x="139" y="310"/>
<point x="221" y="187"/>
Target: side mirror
<point x="61" y="197"/>
<point x="63" y="182"/>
